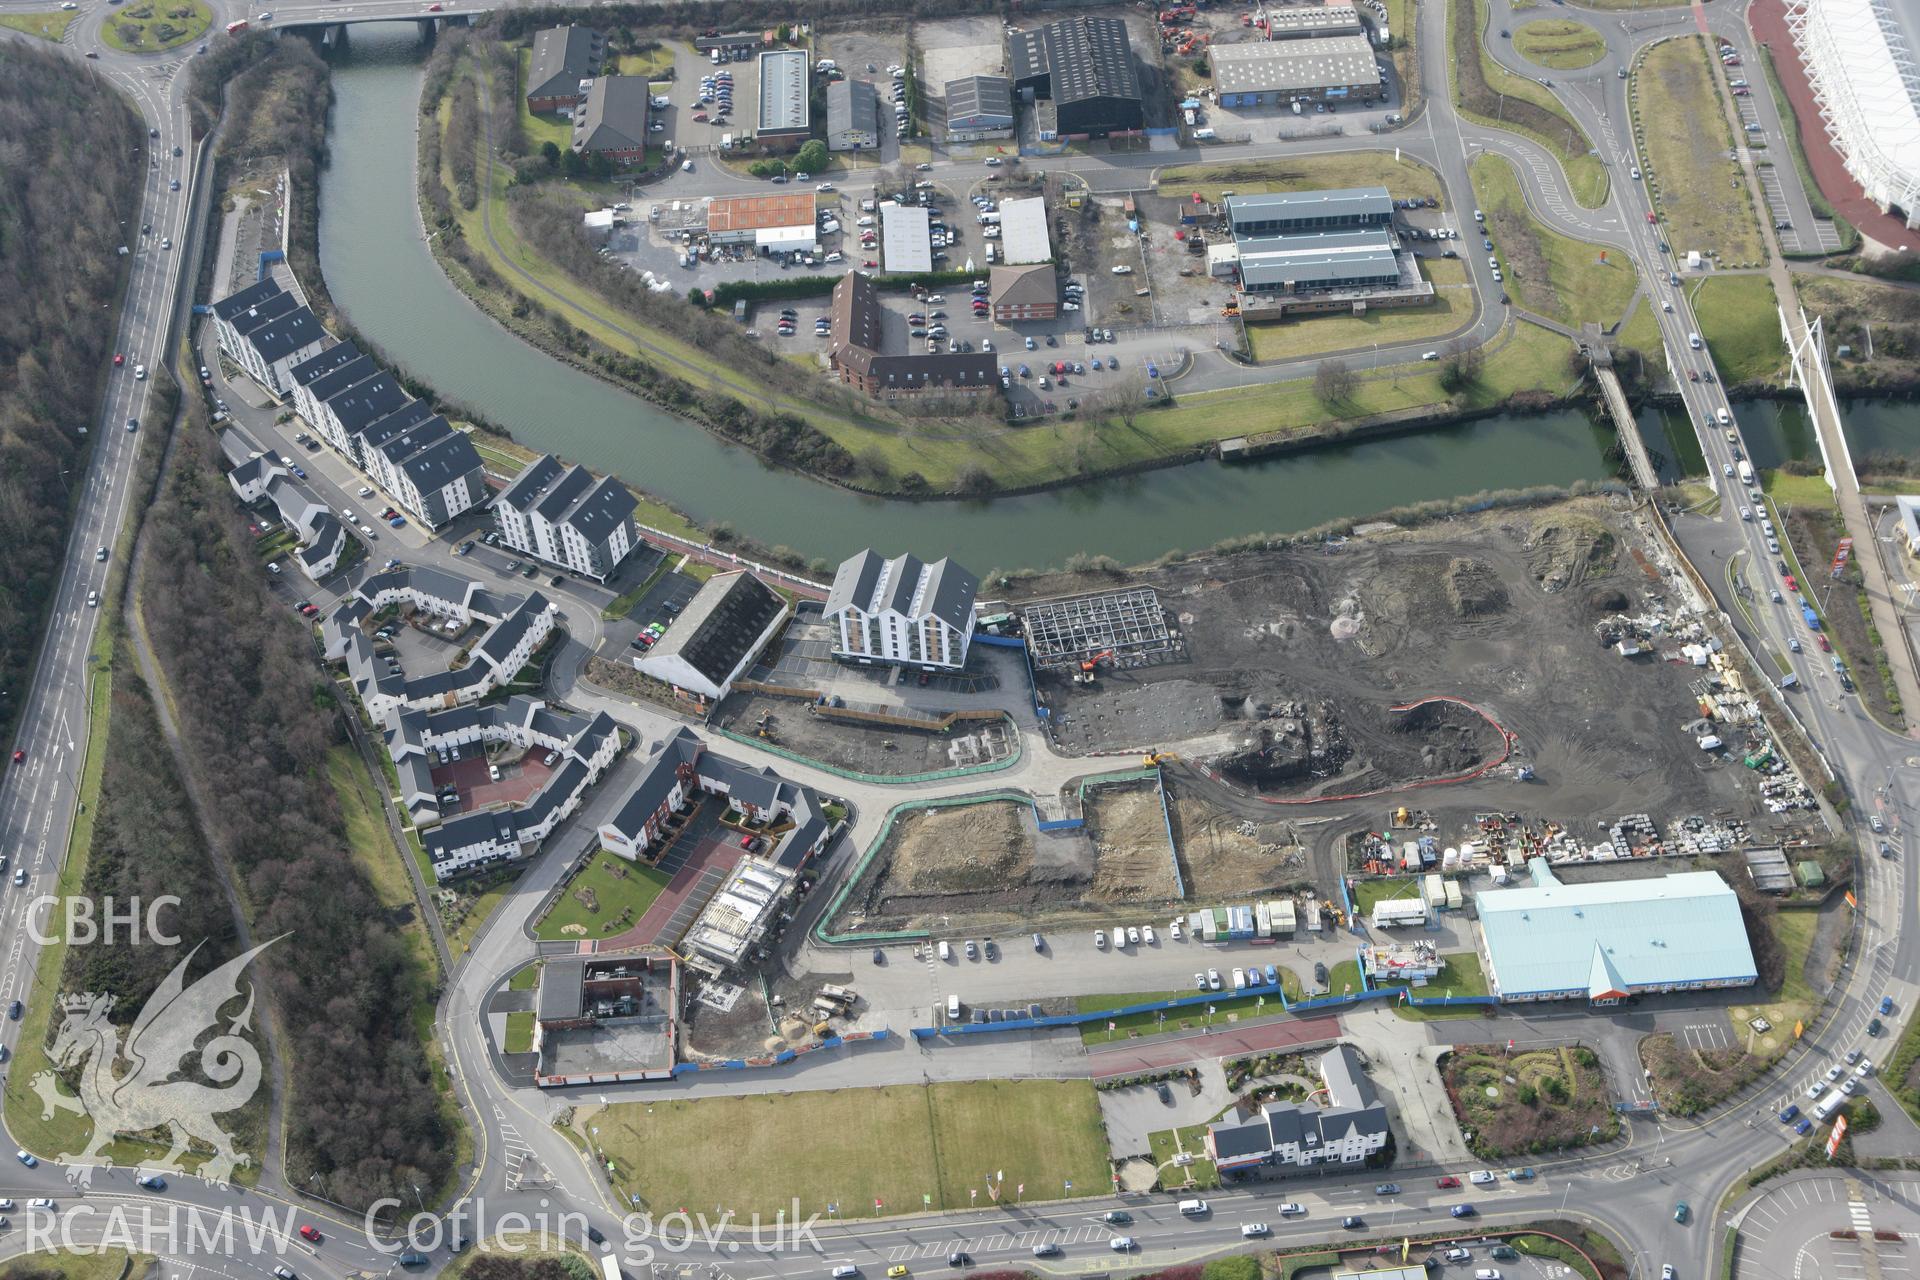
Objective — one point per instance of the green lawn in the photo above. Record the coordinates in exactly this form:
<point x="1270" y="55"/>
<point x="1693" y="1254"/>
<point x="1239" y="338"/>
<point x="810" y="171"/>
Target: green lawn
<point x="1307" y="335"/>
<point x="1166" y="1144"/>
<point x="1796" y="491"/>
<point x="48" y="26"/>
<point x="1560" y="43"/>
<point x="1139" y="1025"/>
<point x="1700" y="195"/>
<point x="1741" y="327"/>
<point x="525" y="980"/>
<point x="1552" y="275"/>
<point x="97" y="1263"/>
<point x="607" y="898"/>
<point x="1794" y="1002"/>
<point x="910" y="1147"/>
<point x="157" y="25"/>
<point x="654" y="62"/>
<point x="1642" y="333"/>
<point x="1460" y="975"/>
<point x="519" y="1032"/>
<point x="1403" y="179"/>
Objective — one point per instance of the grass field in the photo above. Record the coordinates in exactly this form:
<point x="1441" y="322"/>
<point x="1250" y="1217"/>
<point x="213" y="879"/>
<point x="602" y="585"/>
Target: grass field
<point x="519" y="1032"/>
<point x="1403" y="179"/>
<point x="157" y="25"/>
<point x="1460" y="975"/>
<point x="1699" y="193"/>
<point x="1642" y="333"/>
<point x="1559" y="43"/>
<point x="1314" y="334"/>
<point x="908" y="1147"/>
<point x="1741" y="327"/>
<point x="1366" y="893"/>
<point x="1166" y="1144"/>
<point x="620" y="892"/>
<point x="654" y="62"/>
<point x="48" y="26"/>
<point x="99" y="1263"/>
<point x="1552" y="275"/>
<point x="1226" y="1008"/>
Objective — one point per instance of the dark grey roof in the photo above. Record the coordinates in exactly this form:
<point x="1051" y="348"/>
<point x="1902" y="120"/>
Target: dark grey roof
<point x="531" y="482"/>
<point x="562" y="58"/>
<point x="442" y="463"/>
<point x="607" y="506"/>
<point x="562" y="785"/>
<point x="1344" y="203"/>
<point x="853" y="583"/>
<point x="467" y="830"/>
<point x="260" y="314"/>
<point x="903" y="578"/>
<point x="499" y="642"/>
<point x="383" y="429"/>
<point x="615" y="115"/>
<point x="559" y="497"/>
<point x="406" y="443"/>
<point x="251" y="296"/>
<point x="286" y="334"/>
<point x="721" y="624"/>
<point x="1236" y="1141"/>
<point x="366" y="402"/>
<point x="1084" y="57"/>
<point x="331" y="384"/>
<point x="852" y="104"/>
<point x="563" y="989"/>
<point x="318" y="366"/>
<point x="249" y="471"/>
<point x="656" y="781"/>
<point x="949" y="593"/>
<point x="975" y="96"/>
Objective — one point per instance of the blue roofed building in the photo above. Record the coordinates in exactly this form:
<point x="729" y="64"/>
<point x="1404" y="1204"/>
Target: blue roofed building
<point x="1613" y="940"/>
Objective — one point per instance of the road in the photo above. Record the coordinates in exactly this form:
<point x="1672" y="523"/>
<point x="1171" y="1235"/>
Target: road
<point x="522" y="1164"/>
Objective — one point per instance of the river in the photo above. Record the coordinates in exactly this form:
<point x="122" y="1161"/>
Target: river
<point x="382" y="275"/>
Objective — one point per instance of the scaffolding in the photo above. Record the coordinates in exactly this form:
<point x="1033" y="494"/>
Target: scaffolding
<point x="1130" y="625"/>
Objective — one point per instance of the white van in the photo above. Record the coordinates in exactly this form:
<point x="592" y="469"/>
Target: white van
<point x="1693" y="340"/>
<point x="1823" y="1110"/>
<point x="946" y="952"/>
<point x="1487" y="1273"/>
<point x="1723" y="416"/>
<point x="953" y="1008"/>
<point x="1193" y="1208"/>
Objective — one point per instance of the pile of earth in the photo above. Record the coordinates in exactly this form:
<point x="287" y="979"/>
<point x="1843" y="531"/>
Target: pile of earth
<point x="1290" y="742"/>
<point x="1473" y="589"/>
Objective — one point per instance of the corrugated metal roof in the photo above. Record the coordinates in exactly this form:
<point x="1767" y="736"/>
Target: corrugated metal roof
<point x="1662" y="930"/>
<point x="1294" y="66"/>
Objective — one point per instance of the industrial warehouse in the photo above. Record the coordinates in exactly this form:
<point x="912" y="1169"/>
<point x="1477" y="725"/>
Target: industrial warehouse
<point x="1276" y="73"/>
<point x="1613" y="940"/>
<point x="1080" y="75"/>
<point x="1317" y="251"/>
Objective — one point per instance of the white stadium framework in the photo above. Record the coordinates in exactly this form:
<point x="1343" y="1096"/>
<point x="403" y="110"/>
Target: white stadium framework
<point x="1860" y="64"/>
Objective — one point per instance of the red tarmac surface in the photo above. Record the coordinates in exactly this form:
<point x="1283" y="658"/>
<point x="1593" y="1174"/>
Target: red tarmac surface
<point x="1160" y="1052"/>
<point x="719" y="855"/>
<point x="1768" y="20"/>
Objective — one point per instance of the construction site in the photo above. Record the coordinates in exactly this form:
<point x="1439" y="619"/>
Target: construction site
<point x="885" y="740"/>
<point x="1457" y="698"/>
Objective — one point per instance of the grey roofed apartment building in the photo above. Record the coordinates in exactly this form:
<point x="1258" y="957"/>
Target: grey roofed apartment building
<point x="613" y="122"/>
<point x="853" y="116"/>
<point x="1285" y="1135"/>
<point x="902" y="611"/>
<point x="979" y="107"/>
<point x="1084" y="66"/>
<point x="785" y="116"/>
<point x="266" y="331"/>
<point x="564" y="516"/>
<point x="562" y="58"/>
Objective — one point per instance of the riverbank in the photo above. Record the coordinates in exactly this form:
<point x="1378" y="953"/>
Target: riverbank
<point x="487" y="258"/>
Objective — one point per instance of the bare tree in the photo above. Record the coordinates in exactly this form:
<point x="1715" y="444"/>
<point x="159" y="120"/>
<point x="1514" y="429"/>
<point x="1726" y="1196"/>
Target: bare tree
<point x="1333" y="381"/>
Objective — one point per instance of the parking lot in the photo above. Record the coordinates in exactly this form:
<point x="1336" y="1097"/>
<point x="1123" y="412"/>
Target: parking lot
<point x="1787" y="1231"/>
<point x="866" y="54"/>
<point x="520" y="777"/>
<point x="690" y="66"/>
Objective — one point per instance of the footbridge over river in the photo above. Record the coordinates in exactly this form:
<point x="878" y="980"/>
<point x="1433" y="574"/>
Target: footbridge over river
<point x="1638" y="460"/>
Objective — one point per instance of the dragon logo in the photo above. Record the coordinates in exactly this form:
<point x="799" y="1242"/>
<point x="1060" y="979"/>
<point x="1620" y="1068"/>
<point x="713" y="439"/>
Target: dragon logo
<point x="147" y="1096"/>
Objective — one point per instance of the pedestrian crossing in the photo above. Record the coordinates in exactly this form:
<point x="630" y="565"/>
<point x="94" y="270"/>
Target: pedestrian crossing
<point x="1862" y="1216"/>
<point x="1000" y="1242"/>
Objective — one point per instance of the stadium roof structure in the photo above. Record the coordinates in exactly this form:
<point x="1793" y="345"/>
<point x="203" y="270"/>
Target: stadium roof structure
<point x="1859" y="61"/>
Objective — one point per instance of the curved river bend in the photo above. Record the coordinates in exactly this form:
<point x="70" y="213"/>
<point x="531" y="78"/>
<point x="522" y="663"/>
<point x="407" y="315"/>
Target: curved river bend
<point x="379" y="270"/>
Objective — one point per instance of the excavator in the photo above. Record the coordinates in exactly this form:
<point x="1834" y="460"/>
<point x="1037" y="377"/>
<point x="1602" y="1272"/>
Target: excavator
<point x="1088" y="666"/>
<point x="1153" y="759"/>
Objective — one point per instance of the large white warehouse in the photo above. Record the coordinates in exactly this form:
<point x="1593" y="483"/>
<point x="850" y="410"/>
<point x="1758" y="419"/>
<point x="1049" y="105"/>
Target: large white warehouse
<point x="1859" y="60"/>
